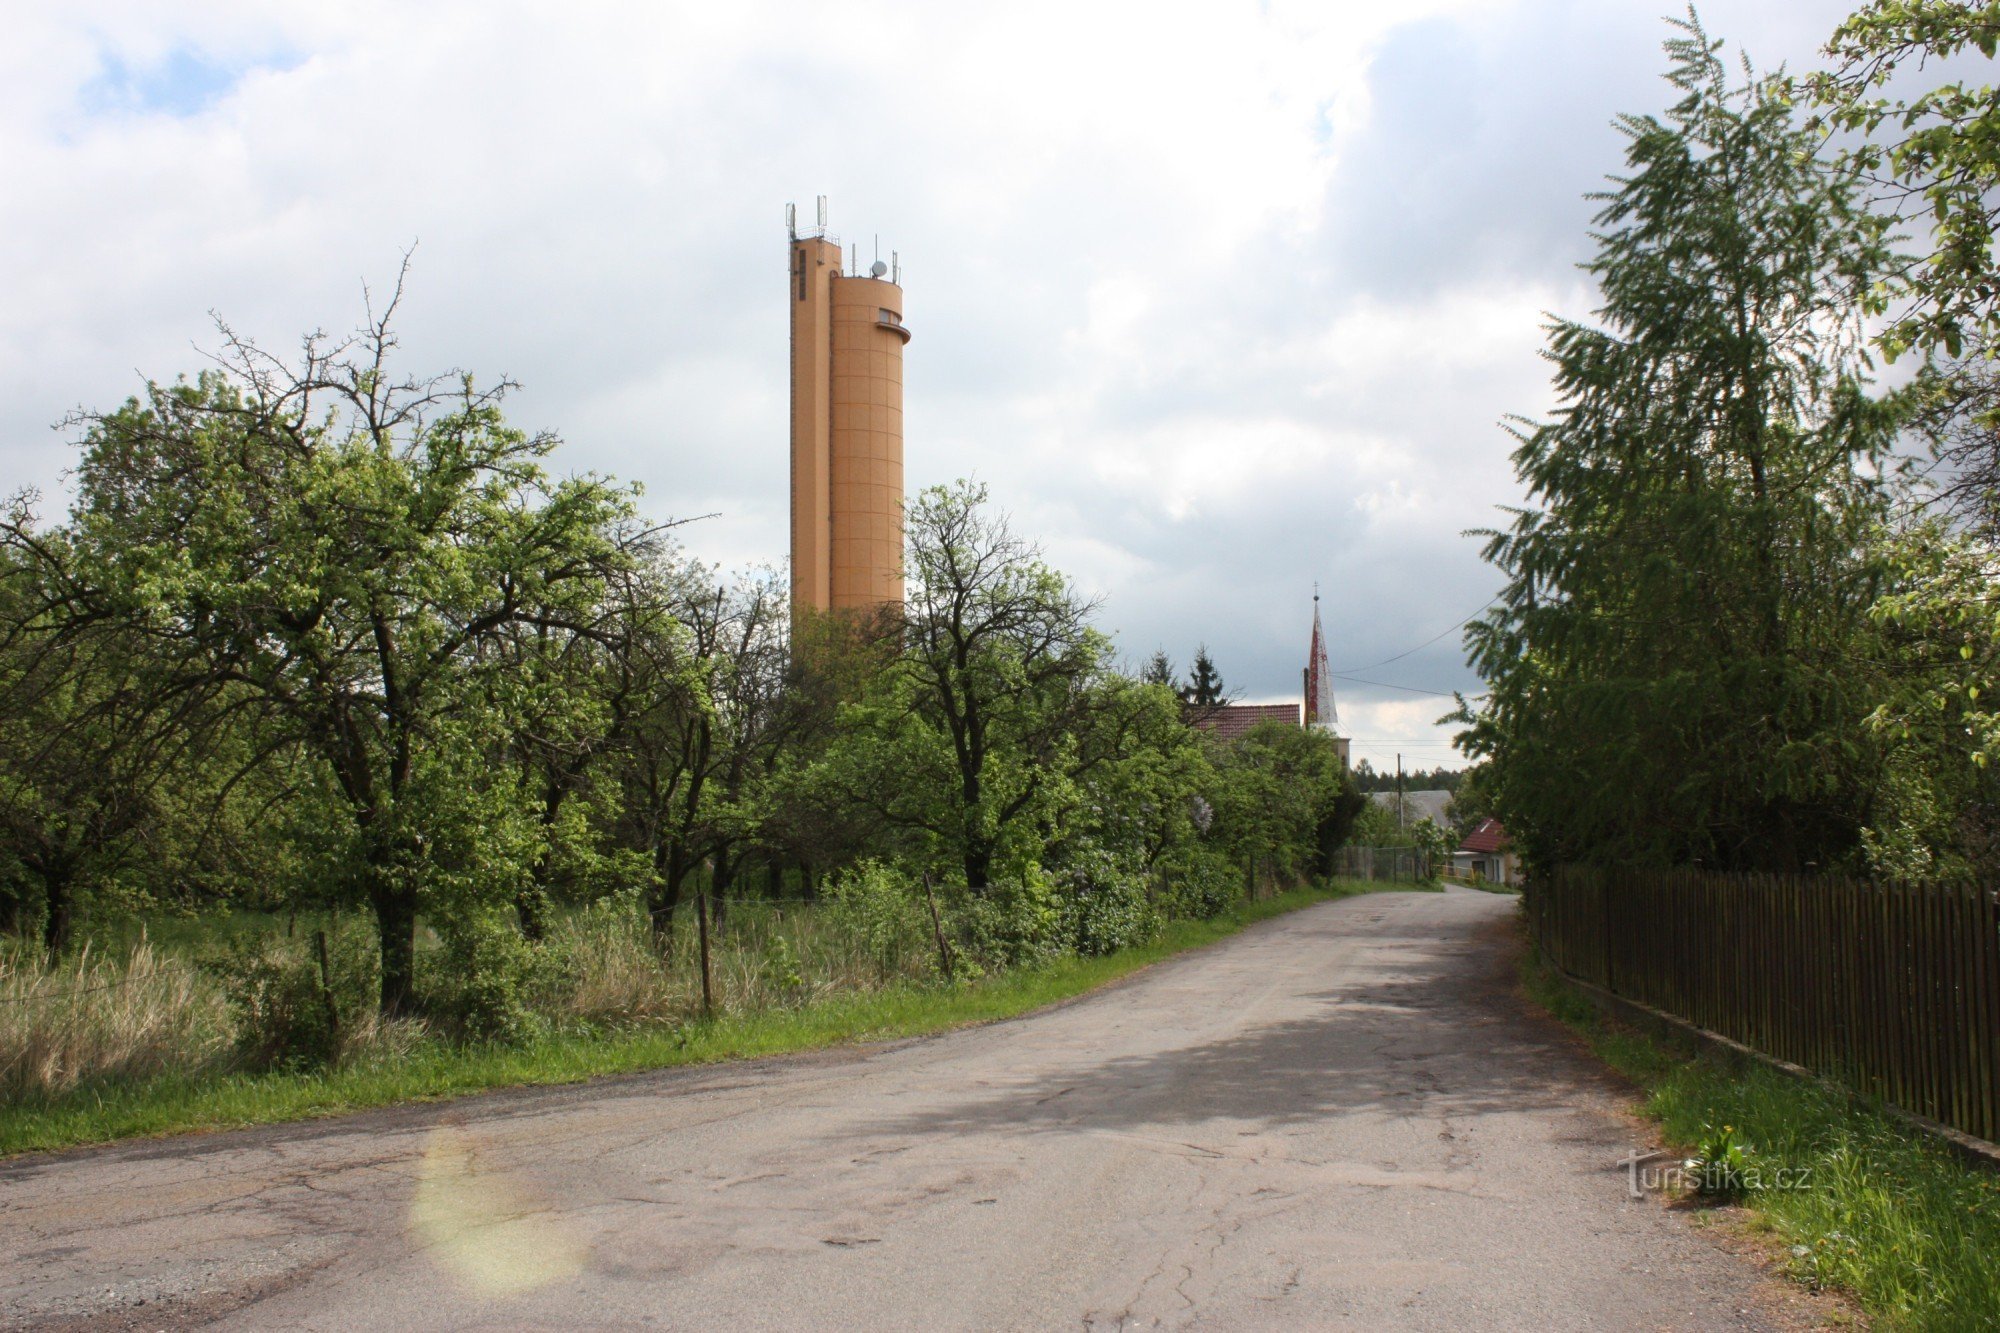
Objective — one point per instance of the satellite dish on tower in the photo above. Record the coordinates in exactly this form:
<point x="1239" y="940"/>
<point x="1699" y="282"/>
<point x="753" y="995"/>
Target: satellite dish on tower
<point x="877" y="269"/>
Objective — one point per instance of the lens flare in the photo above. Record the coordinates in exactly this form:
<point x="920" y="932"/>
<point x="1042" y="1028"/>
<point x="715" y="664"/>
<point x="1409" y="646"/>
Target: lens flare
<point x="486" y="1230"/>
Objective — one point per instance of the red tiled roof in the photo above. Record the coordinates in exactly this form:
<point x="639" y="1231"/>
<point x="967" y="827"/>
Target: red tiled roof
<point x="1488" y="837"/>
<point x="1229" y="721"/>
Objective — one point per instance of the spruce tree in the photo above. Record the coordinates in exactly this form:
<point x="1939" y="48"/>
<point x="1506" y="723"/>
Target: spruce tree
<point x="1204" y="688"/>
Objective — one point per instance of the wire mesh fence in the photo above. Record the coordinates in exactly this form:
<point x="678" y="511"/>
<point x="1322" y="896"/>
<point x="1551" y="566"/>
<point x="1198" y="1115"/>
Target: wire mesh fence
<point x="1408" y="865"/>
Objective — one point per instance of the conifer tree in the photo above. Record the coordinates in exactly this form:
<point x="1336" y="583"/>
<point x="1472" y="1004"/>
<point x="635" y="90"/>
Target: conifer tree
<point x="1204" y="688"/>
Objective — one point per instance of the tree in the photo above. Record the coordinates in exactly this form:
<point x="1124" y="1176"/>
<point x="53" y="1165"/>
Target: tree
<point x="712" y="675"/>
<point x="1204" y="690"/>
<point x="348" y="553"/>
<point x="1283" y="801"/>
<point x="1159" y="670"/>
<point x="1939" y="162"/>
<point x="90" y="745"/>
<point x="1675" y="667"/>
<point x="971" y="730"/>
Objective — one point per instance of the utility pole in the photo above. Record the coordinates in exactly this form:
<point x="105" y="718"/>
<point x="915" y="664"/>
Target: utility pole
<point x="1399" y="793"/>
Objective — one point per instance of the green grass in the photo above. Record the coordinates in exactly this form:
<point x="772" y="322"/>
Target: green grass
<point x="435" y="1070"/>
<point x="1890" y="1215"/>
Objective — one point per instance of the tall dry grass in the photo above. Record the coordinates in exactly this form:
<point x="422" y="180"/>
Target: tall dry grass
<point x="763" y="956"/>
<point x="93" y="1018"/>
<point x="98" y="1018"/>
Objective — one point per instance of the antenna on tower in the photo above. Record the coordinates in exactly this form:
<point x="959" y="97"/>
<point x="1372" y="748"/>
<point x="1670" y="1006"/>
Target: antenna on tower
<point x="792" y="221"/>
<point x="895" y="268"/>
<point x="822" y="212"/>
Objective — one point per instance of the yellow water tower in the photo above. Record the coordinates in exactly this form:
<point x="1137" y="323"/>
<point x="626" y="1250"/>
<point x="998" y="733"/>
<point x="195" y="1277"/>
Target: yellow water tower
<point x="847" y="426"/>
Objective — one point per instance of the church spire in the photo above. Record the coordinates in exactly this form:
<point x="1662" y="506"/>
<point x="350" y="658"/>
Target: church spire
<point x="1320" y="710"/>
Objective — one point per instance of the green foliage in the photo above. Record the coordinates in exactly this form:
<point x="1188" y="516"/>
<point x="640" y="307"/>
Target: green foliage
<point x="1434" y="840"/>
<point x="1198" y="883"/>
<point x="1014" y="922"/>
<point x="1680" y="663"/>
<point x="879" y="905"/>
<point x="1937" y="152"/>
<point x="975" y="732"/>
<point x="1376" y="826"/>
<point x="1282" y="799"/>
<point x="296" y="1009"/>
<point x="1101" y="905"/>
<point x="1721" y="1166"/>
<point x="350" y="557"/>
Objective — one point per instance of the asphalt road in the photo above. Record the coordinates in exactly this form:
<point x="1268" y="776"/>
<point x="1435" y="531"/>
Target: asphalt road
<point x="1342" y="1118"/>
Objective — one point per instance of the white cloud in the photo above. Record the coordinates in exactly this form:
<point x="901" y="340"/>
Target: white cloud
<point x="1221" y="298"/>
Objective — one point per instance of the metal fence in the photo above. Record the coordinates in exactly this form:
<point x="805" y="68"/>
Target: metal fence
<point x="1893" y="989"/>
<point x="1397" y="864"/>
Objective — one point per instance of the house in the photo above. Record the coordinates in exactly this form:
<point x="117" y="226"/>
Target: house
<point x="1487" y="853"/>
<point x="1226" y="722"/>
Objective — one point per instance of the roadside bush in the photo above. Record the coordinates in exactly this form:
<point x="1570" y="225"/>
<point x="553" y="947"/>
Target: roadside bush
<point x="1102" y="907"/>
<point x="488" y="990"/>
<point x="295" y="1010"/>
<point x="881" y="908"/>
<point x="1015" y="922"/>
<point x="1199" y="885"/>
<point x="94" y="1019"/>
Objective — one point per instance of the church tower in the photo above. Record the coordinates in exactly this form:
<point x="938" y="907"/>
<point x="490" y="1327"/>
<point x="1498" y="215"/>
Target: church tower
<point x="1320" y="710"/>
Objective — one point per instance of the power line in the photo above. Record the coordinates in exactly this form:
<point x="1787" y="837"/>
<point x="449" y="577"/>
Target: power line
<point x="1420" y="647"/>
<point x="1412" y="689"/>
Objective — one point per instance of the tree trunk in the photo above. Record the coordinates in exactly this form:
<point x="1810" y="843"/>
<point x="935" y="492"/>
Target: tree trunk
<point x="59" y="895"/>
<point x="395" y="904"/>
<point x="721" y="874"/>
<point x="531" y="905"/>
<point x="978" y="866"/>
<point x="669" y="875"/>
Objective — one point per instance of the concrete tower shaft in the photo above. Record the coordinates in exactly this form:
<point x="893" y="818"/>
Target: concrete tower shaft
<point x="866" y="453"/>
<point x="847" y="434"/>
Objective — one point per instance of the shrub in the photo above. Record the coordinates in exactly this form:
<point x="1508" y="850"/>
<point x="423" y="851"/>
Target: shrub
<point x="880" y="908"/>
<point x="1102" y="906"/>
<point x="1199" y="885"/>
<point x="486" y="987"/>
<point x="296" y="1008"/>
<point x="1014" y="921"/>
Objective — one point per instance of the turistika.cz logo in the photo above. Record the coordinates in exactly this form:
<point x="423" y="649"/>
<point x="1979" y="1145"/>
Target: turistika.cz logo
<point x="1654" y="1171"/>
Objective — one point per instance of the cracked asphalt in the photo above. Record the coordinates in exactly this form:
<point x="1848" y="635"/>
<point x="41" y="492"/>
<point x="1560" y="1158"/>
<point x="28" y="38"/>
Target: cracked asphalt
<point x="1340" y="1118"/>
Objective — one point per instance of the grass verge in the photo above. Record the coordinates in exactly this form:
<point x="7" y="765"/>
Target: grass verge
<point x="171" y="1105"/>
<point x="1886" y="1213"/>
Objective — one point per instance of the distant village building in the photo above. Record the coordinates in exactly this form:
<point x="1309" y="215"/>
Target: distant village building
<point x="1228" y="721"/>
<point x="1320" y="709"/>
<point x="1487" y="853"/>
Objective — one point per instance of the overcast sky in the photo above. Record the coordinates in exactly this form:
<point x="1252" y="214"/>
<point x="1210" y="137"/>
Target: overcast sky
<point x="1220" y="299"/>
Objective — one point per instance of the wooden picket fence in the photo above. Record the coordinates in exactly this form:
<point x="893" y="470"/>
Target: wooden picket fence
<point x="1891" y="989"/>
